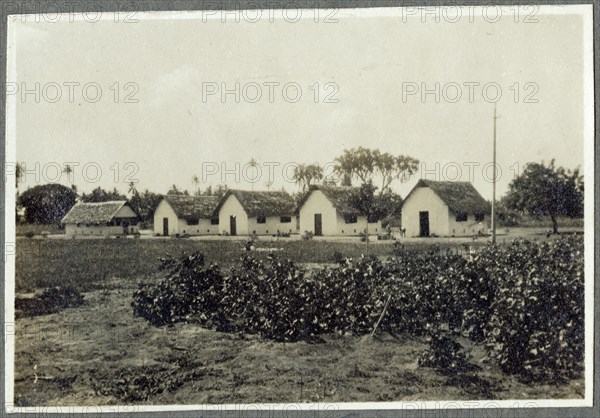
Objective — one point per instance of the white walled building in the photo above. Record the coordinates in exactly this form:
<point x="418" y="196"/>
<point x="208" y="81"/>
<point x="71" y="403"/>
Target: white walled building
<point x="191" y="215"/>
<point x="101" y="219"/>
<point x="326" y="210"/>
<point x="445" y="208"/>
<point x="244" y="212"/>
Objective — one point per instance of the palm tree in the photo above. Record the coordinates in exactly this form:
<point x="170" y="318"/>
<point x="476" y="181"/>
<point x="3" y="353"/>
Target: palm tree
<point x="132" y="189"/>
<point x="196" y="182"/>
<point x="67" y="170"/>
<point x="252" y="164"/>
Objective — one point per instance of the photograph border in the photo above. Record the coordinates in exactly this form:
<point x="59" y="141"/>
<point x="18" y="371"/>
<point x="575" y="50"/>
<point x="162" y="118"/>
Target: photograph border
<point x="527" y="408"/>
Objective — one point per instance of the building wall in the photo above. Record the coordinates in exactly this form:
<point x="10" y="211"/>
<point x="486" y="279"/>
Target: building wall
<point x="125" y="212"/>
<point x="164" y="210"/>
<point x="97" y="230"/>
<point x="271" y="226"/>
<point x="469" y="227"/>
<point x="246" y="225"/>
<point x="342" y="228"/>
<point x="233" y="207"/>
<point x="180" y="226"/>
<point x="318" y="203"/>
<point x="204" y="227"/>
<point x="424" y="199"/>
<point x="333" y="222"/>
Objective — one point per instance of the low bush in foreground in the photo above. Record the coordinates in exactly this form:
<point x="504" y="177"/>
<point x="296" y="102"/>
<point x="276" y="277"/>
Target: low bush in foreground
<point x="51" y="300"/>
<point x="523" y="301"/>
<point x="444" y="354"/>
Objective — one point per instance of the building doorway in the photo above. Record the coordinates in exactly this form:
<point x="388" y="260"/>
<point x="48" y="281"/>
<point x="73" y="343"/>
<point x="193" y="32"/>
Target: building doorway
<point x="232" y="225"/>
<point x="318" y="224"/>
<point x="424" y="224"/>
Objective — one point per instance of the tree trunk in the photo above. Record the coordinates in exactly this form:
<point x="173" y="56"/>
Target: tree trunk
<point x="367" y="235"/>
<point x="554" y="224"/>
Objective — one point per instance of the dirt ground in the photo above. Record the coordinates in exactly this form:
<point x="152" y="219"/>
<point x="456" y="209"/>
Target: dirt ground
<point x="100" y="354"/>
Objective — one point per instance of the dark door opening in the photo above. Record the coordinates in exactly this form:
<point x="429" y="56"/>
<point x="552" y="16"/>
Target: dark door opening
<point x="424" y="224"/>
<point x="318" y="224"/>
<point x="165" y="226"/>
<point x="232" y="225"/>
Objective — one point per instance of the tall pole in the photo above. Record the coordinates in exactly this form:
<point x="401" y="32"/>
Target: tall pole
<point x="494" y="184"/>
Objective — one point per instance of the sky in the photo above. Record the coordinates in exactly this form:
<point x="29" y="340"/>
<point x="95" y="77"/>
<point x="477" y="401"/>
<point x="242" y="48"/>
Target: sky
<point x="327" y="82"/>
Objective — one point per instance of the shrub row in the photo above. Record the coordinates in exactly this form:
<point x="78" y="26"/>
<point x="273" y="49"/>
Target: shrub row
<point x="523" y="301"/>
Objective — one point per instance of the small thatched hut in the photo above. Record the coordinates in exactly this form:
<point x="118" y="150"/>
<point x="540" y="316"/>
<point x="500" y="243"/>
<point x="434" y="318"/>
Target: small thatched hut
<point x="445" y="208"/>
<point x="243" y="212"/>
<point x="327" y="210"/>
<point x="186" y="215"/>
<point x="101" y="219"/>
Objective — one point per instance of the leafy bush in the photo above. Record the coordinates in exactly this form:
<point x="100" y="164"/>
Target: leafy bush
<point x="338" y="257"/>
<point x="523" y="301"/>
<point x="52" y="300"/>
<point x="307" y="236"/>
<point x="536" y="324"/>
<point x="273" y="298"/>
<point x="186" y="289"/>
<point x="424" y="285"/>
<point x="445" y="355"/>
<point x="352" y="295"/>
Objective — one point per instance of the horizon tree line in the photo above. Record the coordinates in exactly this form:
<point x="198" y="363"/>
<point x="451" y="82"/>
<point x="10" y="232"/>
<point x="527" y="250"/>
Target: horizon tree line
<point x="539" y="191"/>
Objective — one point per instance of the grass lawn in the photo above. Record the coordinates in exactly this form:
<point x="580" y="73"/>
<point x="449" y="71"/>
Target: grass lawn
<point x="88" y="263"/>
<point x="37" y="229"/>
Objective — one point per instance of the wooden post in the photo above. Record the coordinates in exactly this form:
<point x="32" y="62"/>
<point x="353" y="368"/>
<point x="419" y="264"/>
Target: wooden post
<point x="382" y="314"/>
<point x="494" y="183"/>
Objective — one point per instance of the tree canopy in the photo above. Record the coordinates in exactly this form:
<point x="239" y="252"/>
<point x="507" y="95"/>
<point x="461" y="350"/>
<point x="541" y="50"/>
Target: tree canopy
<point x="375" y="206"/>
<point x="218" y="191"/>
<point x="144" y="204"/>
<point x="547" y="190"/>
<point x="366" y="165"/>
<point x="307" y="174"/>
<point x="101" y="195"/>
<point x="176" y="191"/>
<point x="47" y="204"/>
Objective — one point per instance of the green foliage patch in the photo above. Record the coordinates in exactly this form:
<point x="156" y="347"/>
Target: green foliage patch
<point x="524" y="301"/>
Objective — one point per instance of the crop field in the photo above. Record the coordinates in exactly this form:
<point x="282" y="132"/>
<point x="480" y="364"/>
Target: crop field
<point x="100" y="352"/>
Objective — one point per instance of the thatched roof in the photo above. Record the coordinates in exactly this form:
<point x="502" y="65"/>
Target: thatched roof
<point x="263" y="203"/>
<point x="192" y="207"/>
<point x="459" y="196"/>
<point x="93" y="213"/>
<point x="339" y="196"/>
